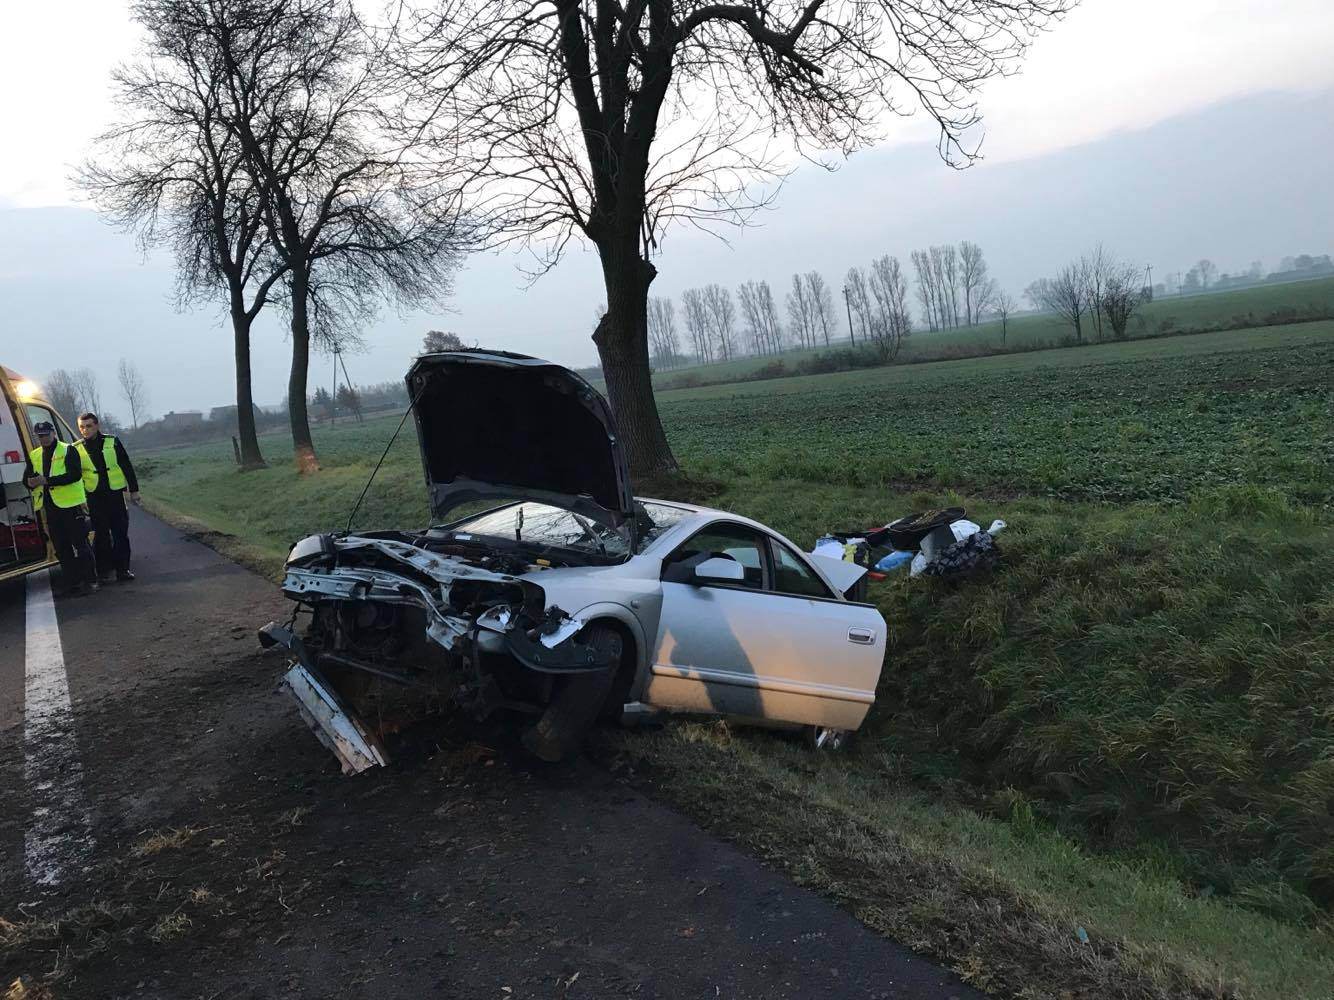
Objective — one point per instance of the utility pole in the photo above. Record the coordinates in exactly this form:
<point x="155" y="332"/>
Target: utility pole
<point x="848" y="302"/>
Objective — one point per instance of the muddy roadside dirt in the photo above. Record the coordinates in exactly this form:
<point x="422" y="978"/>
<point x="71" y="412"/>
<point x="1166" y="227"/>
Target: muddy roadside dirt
<point x="230" y="858"/>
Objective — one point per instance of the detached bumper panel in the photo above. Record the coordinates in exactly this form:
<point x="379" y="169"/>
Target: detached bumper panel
<point x="332" y="723"/>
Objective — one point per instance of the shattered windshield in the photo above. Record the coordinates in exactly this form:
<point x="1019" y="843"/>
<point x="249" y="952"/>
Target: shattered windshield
<point x="541" y="524"/>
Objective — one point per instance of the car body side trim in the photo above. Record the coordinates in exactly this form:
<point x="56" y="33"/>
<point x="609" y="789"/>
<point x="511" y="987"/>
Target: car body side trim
<point x="763" y="683"/>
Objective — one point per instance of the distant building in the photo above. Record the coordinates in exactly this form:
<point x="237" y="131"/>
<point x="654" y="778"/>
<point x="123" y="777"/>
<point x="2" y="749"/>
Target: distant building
<point x="186" y="418"/>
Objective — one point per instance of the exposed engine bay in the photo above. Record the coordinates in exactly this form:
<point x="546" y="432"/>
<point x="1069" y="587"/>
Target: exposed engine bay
<point x="402" y="623"/>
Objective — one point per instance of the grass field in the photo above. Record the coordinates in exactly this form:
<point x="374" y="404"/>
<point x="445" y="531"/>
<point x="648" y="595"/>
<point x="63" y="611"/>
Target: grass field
<point x="1248" y="307"/>
<point x="1126" y="729"/>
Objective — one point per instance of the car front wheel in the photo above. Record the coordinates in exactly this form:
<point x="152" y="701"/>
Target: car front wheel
<point x="560" y="732"/>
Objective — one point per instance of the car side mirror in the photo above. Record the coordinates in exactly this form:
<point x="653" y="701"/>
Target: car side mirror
<point x="720" y="570"/>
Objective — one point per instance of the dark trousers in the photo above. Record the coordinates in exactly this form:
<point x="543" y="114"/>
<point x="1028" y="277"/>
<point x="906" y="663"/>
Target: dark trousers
<point x="68" y="529"/>
<point x="111" y="531"/>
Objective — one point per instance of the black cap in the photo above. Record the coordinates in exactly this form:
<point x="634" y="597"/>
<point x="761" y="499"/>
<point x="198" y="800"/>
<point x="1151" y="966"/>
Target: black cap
<point x="44" y="427"/>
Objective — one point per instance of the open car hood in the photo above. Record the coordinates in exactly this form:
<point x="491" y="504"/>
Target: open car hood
<point x="495" y="425"/>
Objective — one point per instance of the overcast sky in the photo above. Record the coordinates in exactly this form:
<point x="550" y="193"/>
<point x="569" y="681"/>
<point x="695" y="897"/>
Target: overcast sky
<point x="1169" y="131"/>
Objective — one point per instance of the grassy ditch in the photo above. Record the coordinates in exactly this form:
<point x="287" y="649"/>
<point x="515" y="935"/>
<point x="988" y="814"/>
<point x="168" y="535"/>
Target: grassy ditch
<point x="1125" y="728"/>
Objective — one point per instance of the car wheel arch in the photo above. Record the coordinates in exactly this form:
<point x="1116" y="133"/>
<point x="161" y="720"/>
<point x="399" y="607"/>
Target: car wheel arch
<point x="634" y="657"/>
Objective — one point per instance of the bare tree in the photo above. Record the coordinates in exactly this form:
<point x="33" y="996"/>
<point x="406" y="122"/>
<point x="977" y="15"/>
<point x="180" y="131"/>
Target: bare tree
<point x="1005" y="305"/>
<point x="822" y="301"/>
<point x="172" y="173"/>
<point x="1123" y="293"/>
<point x="722" y="318"/>
<point x="1067" y="296"/>
<point x="926" y="288"/>
<point x="748" y="295"/>
<point x="1096" y="268"/>
<point x="304" y="89"/>
<point x="1039" y="294"/>
<point x="984" y="299"/>
<point x="662" y="338"/>
<point x="945" y="263"/>
<point x="801" y="313"/>
<point x="697" y="324"/>
<point x="769" y="312"/>
<point x="438" y="341"/>
<point x="974" y="279"/>
<point x="134" y="390"/>
<point x="62" y="392"/>
<point x="858" y="291"/>
<point x="760" y="312"/>
<point x="612" y="120"/>
<point x="1207" y="271"/>
<point x="87" y="392"/>
<point x="892" y="323"/>
<point x="940" y="282"/>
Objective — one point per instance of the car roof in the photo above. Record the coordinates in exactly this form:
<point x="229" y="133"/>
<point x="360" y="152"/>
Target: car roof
<point x="709" y="513"/>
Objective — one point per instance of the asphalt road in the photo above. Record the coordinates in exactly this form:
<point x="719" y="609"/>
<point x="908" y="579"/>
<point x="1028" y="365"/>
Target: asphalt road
<point x="198" y="842"/>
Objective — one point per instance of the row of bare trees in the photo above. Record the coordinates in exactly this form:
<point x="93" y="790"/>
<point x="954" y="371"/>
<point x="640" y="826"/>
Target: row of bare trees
<point x="258" y="143"/>
<point x="710" y="318"/>
<point x="953" y="285"/>
<point x="878" y="302"/>
<point x="810" y="310"/>
<point x="77" y="391"/>
<point x="1099" y="293"/>
<point x="293" y="155"/>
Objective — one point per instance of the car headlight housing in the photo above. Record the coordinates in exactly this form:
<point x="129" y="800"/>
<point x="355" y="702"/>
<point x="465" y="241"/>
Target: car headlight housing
<point x="310" y="549"/>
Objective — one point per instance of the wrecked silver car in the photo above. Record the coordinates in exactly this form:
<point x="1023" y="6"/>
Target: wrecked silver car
<point x="569" y="599"/>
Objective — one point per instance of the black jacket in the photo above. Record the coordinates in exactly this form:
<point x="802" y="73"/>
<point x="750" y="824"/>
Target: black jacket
<point x="94" y="447"/>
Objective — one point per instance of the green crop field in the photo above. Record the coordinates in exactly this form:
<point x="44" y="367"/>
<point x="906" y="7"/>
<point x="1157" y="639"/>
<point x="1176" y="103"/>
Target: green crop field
<point x="1248" y="307"/>
<point x="1126" y="728"/>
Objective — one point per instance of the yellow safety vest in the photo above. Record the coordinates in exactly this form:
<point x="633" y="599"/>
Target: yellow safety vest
<point x="115" y="477"/>
<point x="69" y="495"/>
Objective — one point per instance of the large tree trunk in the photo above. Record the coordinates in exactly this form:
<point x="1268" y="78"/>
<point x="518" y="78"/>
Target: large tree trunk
<point x="303" y="447"/>
<point x="245" y="400"/>
<point x="622" y="341"/>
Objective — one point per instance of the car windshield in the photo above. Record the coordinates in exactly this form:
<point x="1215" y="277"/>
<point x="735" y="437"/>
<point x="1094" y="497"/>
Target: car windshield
<point x="541" y="524"/>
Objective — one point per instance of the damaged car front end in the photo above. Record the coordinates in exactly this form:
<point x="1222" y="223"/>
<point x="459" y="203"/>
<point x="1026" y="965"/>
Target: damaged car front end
<point x="402" y="622"/>
<point x="567" y="599"/>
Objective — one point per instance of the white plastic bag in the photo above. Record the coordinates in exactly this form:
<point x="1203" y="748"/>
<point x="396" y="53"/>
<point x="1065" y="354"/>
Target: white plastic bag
<point x="964" y="529"/>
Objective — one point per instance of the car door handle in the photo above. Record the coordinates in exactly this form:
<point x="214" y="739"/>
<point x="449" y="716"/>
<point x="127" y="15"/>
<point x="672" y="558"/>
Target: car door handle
<point x="861" y="636"/>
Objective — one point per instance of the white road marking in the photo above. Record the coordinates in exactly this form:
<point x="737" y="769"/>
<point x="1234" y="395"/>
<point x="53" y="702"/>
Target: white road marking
<point x="61" y="830"/>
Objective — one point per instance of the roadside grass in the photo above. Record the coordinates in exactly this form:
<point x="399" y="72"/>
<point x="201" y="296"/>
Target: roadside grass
<point x="1147" y="679"/>
<point x="1125" y="728"/>
<point x="255" y="517"/>
<point x="1002" y="901"/>
<point x="1248" y="307"/>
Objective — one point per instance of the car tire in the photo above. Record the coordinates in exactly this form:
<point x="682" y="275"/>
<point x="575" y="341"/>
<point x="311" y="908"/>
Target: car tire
<point x="828" y="740"/>
<point x="559" y="732"/>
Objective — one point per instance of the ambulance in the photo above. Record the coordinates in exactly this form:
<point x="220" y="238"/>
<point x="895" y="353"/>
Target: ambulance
<point x="24" y="547"/>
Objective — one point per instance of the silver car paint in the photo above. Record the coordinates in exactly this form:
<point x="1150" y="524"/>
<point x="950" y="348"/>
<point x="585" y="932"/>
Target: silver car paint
<point x="757" y="655"/>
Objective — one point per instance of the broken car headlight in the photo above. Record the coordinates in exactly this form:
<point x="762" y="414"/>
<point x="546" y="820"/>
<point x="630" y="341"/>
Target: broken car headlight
<point x="310" y="549"/>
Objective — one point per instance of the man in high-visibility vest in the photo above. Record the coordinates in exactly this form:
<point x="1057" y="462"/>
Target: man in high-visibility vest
<point x="55" y="476"/>
<point x="107" y="475"/>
